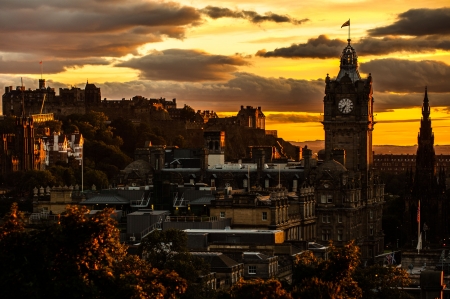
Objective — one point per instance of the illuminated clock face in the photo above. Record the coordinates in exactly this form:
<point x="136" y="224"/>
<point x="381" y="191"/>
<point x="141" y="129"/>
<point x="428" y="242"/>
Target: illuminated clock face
<point x="345" y="105"/>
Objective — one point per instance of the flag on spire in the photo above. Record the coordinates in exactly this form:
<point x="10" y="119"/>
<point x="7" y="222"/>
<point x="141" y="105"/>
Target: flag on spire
<point x="346" y="23"/>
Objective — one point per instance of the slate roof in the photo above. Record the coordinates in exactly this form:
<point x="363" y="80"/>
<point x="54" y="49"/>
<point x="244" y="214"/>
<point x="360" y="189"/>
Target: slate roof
<point x="113" y="199"/>
<point x="216" y="260"/>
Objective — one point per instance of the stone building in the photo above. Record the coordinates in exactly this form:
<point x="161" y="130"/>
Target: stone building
<point x="251" y="117"/>
<point x="402" y="163"/>
<point x="349" y="194"/>
<point x="294" y="213"/>
<point x="428" y="185"/>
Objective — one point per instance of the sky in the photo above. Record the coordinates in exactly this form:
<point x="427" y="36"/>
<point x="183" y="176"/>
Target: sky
<point x="220" y="55"/>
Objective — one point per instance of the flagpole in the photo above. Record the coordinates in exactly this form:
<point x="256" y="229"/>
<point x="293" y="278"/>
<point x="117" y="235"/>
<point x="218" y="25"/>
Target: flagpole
<point x="418" y="224"/>
<point x="348" y="29"/>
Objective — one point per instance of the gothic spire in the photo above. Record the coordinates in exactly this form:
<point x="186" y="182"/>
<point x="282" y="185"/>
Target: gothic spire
<point x="426" y="106"/>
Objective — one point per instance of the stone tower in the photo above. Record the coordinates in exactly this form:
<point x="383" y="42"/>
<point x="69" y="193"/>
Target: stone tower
<point x="348" y="114"/>
<point x="349" y="196"/>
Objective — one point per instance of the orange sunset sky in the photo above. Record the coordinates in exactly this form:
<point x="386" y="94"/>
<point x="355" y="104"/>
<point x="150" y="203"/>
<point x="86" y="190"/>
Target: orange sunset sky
<point x="219" y="55"/>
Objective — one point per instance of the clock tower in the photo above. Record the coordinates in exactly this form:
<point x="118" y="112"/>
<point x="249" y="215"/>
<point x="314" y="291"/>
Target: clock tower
<point x="349" y="194"/>
<point x="348" y="114"/>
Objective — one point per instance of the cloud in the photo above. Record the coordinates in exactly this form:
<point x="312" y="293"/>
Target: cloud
<point x="321" y="47"/>
<point x="292" y="118"/>
<point x="272" y="94"/>
<point x="418" y="22"/>
<point x="185" y="65"/>
<point x="324" y="47"/>
<point x="215" y="12"/>
<point x="50" y="67"/>
<point x="90" y="28"/>
<point x="401" y="75"/>
<point x="385" y="101"/>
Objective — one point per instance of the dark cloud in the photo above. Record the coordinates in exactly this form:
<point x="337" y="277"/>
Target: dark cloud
<point x="418" y="22"/>
<point x="185" y="65"/>
<point x="292" y="118"/>
<point x="386" y="101"/>
<point x="321" y="47"/>
<point x="272" y="94"/>
<point x="324" y="47"/>
<point x="215" y="12"/>
<point x="406" y="76"/>
<point x="49" y="67"/>
<point x="90" y="28"/>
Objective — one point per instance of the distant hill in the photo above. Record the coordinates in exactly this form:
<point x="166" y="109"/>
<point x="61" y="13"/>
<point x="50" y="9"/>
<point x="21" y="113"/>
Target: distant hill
<point x="317" y="145"/>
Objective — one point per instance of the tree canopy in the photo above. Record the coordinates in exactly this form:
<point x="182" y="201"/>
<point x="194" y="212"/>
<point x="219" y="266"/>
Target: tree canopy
<point x="76" y="257"/>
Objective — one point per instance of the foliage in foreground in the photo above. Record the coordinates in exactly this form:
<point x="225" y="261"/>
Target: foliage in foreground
<point x="77" y="257"/>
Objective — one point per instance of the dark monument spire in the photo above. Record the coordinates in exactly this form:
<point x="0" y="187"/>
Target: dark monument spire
<point x="425" y="159"/>
<point x="428" y="186"/>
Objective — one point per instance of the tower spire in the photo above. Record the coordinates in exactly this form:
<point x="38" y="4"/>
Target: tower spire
<point x="426" y="106"/>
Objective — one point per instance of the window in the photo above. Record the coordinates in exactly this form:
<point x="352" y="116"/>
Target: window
<point x="371" y="214"/>
<point x="251" y="269"/>
<point x="339" y="216"/>
<point x="245" y="183"/>
<point x="264" y="215"/>
<point x="325" y="234"/>
<point x="371" y="230"/>
<point x="339" y="236"/>
<point x="325" y="218"/>
<point x="222" y="214"/>
<point x="326" y="198"/>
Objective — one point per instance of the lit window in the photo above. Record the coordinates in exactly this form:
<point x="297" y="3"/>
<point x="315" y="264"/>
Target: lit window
<point x="251" y="269"/>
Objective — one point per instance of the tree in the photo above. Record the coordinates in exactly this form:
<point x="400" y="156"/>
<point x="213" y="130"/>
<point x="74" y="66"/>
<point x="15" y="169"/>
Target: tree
<point x="383" y="282"/>
<point x="167" y="250"/>
<point x="187" y="114"/>
<point x="334" y="276"/>
<point x="259" y="289"/>
<point x="76" y="257"/>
